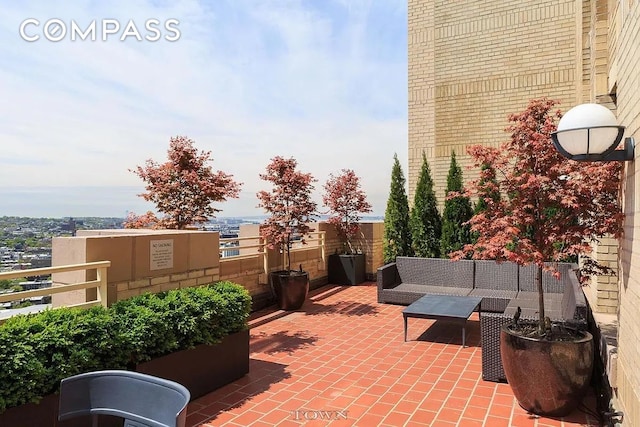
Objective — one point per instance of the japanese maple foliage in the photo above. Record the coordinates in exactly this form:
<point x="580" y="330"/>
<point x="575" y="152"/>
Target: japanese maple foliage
<point x="346" y="201"/>
<point x="185" y="186"/>
<point x="289" y="204"/>
<point x="147" y="220"/>
<point x="552" y="208"/>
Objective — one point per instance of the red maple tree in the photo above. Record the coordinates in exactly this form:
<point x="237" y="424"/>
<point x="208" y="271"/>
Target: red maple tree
<point x="346" y="201"/>
<point x="185" y="186"/>
<point x="552" y="208"/>
<point x="146" y="220"/>
<point x="289" y="204"/>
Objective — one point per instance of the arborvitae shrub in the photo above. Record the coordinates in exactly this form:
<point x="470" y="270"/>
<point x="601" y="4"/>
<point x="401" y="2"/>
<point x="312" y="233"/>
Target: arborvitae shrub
<point x="457" y="212"/>
<point x="397" y="236"/>
<point x="425" y="221"/>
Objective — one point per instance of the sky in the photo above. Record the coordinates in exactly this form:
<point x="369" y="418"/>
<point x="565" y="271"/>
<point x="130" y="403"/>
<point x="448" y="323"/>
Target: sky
<point x="322" y="81"/>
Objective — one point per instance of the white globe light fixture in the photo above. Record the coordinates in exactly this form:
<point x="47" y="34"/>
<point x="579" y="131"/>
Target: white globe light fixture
<point x="590" y="133"/>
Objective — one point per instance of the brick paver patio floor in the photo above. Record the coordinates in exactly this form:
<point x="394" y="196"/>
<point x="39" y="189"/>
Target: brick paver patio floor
<point x="341" y="361"/>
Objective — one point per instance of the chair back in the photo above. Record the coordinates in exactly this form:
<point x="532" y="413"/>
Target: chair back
<point x="142" y="400"/>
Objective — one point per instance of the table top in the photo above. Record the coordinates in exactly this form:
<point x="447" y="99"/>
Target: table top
<point x="443" y="306"/>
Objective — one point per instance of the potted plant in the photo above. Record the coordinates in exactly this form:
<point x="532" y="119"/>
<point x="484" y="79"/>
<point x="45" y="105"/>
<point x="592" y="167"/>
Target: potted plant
<point x="183" y="188"/>
<point x="346" y="201"/>
<point x="290" y="207"/>
<point x="553" y="210"/>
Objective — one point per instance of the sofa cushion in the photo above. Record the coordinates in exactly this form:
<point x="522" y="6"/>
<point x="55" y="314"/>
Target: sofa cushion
<point x="496" y="275"/>
<point x="431" y="290"/>
<point x="528" y="303"/>
<point x="495" y="300"/>
<point x="436" y="272"/>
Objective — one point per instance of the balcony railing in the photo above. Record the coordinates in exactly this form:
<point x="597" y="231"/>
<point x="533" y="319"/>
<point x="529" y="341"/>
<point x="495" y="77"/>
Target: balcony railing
<point x="100" y="283"/>
<point x="233" y="248"/>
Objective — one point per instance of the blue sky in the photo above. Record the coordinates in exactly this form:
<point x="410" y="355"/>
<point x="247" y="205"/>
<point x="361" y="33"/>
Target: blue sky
<point x="324" y="81"/>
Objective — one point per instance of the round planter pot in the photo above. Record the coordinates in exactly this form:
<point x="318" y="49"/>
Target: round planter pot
<point x="547" y="377"/>
<point x="290" y="287"/>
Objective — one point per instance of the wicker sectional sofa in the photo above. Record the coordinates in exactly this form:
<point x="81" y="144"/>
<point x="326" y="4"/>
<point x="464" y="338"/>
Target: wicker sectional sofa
<point x="409" y="278"/>
<point x="503" y="287"/>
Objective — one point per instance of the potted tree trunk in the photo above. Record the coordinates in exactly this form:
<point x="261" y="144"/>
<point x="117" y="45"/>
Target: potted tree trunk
<point x="555" y="208"/>
<point x="346" y="201"/>
<point x="290" y="206"/>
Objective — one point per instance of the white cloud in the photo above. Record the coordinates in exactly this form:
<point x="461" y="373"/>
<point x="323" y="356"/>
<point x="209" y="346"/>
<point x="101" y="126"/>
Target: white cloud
<point x="324" y="82"/>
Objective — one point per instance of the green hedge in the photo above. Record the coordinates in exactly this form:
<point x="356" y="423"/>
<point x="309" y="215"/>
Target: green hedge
<point x="38" y="350"/>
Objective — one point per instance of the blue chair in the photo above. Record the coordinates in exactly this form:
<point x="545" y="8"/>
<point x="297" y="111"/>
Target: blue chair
<point x="142" y="400"/>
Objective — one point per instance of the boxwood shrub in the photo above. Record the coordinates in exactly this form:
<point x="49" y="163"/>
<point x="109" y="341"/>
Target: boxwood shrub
<point x="38" y="350"/>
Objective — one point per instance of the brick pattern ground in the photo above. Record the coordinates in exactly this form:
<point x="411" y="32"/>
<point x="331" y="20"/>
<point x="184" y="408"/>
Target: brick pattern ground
<point x="341" y="361"/>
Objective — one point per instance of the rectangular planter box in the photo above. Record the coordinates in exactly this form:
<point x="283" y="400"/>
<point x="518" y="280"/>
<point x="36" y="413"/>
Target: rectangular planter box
<point x="202" y="370"/>
<point x="346" y="269"/>
<point x="205" y="368"/>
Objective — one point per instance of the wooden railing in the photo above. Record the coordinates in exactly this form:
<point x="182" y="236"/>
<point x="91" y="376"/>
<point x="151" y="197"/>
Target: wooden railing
<point x="100" y="284"/>
<point x="315" y="236"/>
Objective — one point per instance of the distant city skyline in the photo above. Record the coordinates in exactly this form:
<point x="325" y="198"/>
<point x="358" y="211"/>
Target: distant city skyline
<point x="116" y="202"/>
<point x="324" y="82"/>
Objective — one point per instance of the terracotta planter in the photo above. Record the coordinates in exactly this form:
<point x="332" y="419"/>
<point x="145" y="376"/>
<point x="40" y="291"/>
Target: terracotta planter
<point x="202" y="370"/>
<point x="290" y="288"/>
<point x="547" y="377"/>
<point x="346" y="269"/>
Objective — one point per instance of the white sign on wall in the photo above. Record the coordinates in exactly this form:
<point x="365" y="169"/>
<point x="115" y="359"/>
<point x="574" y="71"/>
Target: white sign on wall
<point x="161" y="254"/>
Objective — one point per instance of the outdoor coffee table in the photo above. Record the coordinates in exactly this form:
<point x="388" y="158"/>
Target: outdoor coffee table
<point x="449" y="308"/>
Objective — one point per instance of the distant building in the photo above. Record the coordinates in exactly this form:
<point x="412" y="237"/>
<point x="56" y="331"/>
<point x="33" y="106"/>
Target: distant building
<point x="35" y="284"/>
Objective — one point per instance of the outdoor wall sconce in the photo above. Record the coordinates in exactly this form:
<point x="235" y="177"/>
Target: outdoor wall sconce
<point x="590" y="133"/>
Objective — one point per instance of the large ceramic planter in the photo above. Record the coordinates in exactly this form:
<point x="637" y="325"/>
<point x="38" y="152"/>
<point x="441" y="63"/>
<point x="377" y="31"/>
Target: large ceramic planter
<point x="290" y="288"/>
<point x="346" y="269"/>
<point x="202" y="370"/>
<point x="547" y="377"/>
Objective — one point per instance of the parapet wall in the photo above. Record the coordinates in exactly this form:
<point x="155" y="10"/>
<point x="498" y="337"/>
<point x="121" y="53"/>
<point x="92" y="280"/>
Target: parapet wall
<point x="141" y="260"/>
<point x="159" y="260"/>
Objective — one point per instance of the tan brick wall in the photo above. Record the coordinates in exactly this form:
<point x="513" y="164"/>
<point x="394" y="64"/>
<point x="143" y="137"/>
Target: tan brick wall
<point x="626" y="76"/>
<point x="603" y="290"/>
<point x="128" y="289"/>
<point x="369" y="242"/>
<point x="373" y="235"/>
<point x="471" y="64"/>
<point x="247" y="272"/>
<point x="198" y="263"/>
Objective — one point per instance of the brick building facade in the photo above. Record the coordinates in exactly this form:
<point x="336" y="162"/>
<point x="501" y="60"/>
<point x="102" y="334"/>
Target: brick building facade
<point x="472" y="63"/>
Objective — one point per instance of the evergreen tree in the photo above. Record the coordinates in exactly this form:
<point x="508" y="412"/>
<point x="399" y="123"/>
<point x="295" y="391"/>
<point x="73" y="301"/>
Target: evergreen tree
<point x="425" y="221"/>
<point x="456" y="231"/>
<point x="488" y="193"/>
<point x="397" y="236"/>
